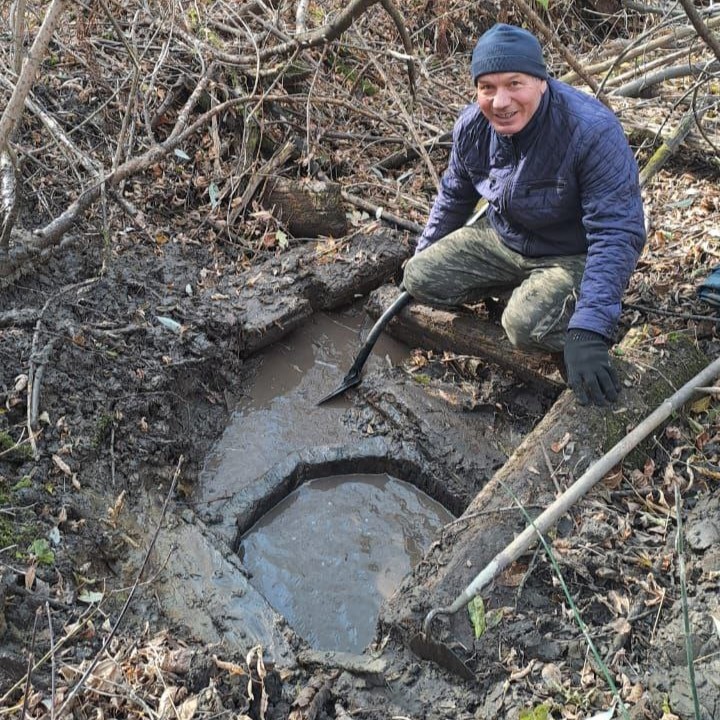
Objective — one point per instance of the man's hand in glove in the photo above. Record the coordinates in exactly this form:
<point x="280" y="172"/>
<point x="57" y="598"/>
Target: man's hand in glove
<point x="590" y="374"/>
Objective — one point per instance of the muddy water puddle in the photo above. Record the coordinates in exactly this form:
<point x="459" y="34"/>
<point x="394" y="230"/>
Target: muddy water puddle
<point x="326" y="553"/>
<point x="334" y="549"/>
<point x="279" y="414"/>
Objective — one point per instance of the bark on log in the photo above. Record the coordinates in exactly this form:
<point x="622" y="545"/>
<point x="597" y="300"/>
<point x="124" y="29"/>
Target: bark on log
<point x="465" y="332"/>
<point x="562" y="446"/>
<point x="308" y="209"/>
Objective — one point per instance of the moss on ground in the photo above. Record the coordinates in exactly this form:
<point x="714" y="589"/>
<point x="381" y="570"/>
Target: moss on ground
<point x="681" y="361"/>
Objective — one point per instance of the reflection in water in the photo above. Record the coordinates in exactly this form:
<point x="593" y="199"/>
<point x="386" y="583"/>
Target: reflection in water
<point x="332" y="551"/>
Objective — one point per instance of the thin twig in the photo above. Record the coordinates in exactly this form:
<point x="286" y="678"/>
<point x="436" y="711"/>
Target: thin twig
<point x="53" y="669"/>
<point x="702" y="29"/>
<point x="550" y="468"/>
<point x="689" y="652"/>
<point x="31" y="655"/>
<point x="78" y="627"/>
<point x="671" y="313"/>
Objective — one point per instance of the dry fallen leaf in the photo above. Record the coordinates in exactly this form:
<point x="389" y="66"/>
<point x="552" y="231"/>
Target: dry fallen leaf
<point x="556" y="447"/>
<point x="231" y="667"/>
<point x="551" y="675"/>
<point x="62" y="465"/>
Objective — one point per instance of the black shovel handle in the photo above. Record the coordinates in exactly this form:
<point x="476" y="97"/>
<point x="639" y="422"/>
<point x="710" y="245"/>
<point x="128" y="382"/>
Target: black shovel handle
<point x="353" y="376"/>
<point x="400" y="302"/>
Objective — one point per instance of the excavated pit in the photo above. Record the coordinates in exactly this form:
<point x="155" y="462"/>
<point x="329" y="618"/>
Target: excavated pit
<point x="371" y="478"/>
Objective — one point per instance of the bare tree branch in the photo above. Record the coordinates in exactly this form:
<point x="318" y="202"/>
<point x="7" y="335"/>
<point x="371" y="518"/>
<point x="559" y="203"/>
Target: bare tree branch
<point x="19" y="31"/>
<point x="13" y="110"/>
<point x="702" y="29"/>
<point x="670" y="146"/>
<point x="670" y="39"/>
<point x="300" y="26"/>
<point x="636" y="87"/>
<point x="405" y="37"/>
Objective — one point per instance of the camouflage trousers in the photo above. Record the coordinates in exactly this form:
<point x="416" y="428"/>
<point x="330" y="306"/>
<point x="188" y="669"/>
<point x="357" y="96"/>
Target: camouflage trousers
<point x="472" y="264"/>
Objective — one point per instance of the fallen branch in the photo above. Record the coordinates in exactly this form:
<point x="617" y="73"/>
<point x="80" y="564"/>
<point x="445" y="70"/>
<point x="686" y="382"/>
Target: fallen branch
<point x="577" y="490"/>
<point x="636" y="87"/>
<point x="671" y="38"/>
<point x="381" y="214"/>
<point x="300" y="25"/>
<point x="398" y="159"/>
<point x="38" y="361"/>
<point x="397" y="18"/>
<point x="13" y="110"/>
<point x="267" y="170"/>
<point x="670" y="146"/>
<point x="702" y="29"/>
<point x="8" y="197"/>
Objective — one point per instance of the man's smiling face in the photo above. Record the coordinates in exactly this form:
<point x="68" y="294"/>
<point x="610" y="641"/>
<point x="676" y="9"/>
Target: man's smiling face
<point x="509" y="99"/>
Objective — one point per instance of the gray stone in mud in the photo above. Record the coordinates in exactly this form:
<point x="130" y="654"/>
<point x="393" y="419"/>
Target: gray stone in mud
<point x="674" y="686"/>
<point x="702" y="527"/>
<point x="372" y="669"/>
<point x="702" y="534"/>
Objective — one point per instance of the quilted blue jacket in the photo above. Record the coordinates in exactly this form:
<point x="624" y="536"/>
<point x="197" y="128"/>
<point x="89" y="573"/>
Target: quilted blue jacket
<point x="566" y="184"/>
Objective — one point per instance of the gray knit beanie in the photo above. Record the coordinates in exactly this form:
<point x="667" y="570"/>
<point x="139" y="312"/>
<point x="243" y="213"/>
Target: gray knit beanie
<point x="506" y="48"/>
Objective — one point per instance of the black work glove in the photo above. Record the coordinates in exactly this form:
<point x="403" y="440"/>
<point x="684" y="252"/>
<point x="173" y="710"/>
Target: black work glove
<point x="590" y="374"/>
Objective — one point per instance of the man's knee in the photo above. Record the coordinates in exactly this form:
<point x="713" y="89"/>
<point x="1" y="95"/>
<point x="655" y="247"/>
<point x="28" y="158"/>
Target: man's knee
<point x="412" y="275"/>
<point x="428" y="281"/>
<point x="518" y="331"/>
<point x="529" y="333"/>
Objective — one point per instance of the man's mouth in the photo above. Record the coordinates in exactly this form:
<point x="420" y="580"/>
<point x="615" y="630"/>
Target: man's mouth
<point x="505" y="115"/>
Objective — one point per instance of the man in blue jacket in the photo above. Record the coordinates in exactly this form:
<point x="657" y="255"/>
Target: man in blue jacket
<point x="564" y="226"/>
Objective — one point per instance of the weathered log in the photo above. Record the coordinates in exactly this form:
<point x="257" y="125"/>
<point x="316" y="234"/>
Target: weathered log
<point x="561" y="447"/>
<point x="263" y="304"/>
<point x="308" y="209"/>
<point x="465" y="332"/>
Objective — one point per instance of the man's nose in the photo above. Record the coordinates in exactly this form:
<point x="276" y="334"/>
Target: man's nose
<point x="501" y="99"/>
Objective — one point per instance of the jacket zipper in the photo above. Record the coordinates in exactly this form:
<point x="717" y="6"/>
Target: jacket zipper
<point x="508" y="186"/>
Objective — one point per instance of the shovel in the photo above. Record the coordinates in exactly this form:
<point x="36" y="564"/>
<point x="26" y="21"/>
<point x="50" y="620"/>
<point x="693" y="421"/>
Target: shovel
<point x="353" y="376"/>
<point x="423" y="644"/>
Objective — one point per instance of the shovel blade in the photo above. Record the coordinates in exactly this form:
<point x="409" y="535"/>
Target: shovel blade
<point x="349" y="381"/>
<point x="428" y="649"/>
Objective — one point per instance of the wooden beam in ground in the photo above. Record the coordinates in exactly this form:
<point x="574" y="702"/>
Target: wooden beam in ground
<point x="557" y="451"/>
<point x="464" y="332"/>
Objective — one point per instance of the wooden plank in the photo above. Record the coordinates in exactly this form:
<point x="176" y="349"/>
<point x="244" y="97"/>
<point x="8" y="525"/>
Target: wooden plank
<point x="465" y="332"/>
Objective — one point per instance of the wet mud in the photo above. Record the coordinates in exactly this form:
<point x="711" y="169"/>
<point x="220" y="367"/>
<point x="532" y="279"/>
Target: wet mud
<point x="127" y="398"/>
<point x="277" y="413"/>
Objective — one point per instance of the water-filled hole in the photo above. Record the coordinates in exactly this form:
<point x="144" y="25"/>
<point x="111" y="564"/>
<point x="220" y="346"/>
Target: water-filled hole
<point x="329" y="553"/>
